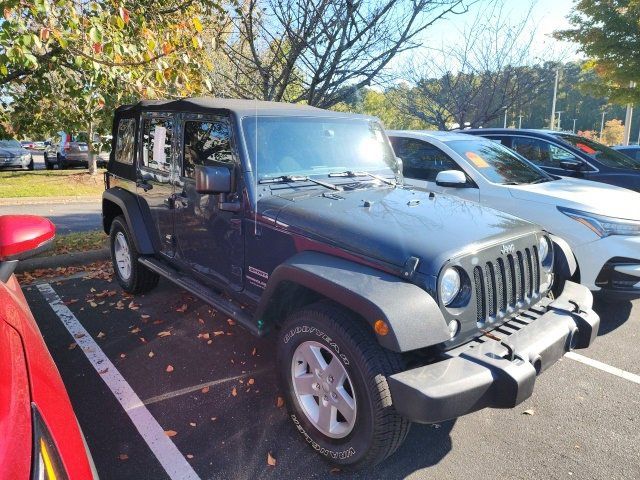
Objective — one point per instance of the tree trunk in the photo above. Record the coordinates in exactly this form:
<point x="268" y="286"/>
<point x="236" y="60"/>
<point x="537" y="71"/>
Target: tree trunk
<point x="93" y="161"/>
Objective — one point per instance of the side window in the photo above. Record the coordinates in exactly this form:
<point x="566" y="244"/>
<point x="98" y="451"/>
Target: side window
<point x="534" y="150"/>
<point x="125" y="141"/>
<point x="559" y="154"/>
<point x="498" y="139"/>
<point x="157" y="135"/>
<point x="206" y="143"/>
<point x="422" y="160"/>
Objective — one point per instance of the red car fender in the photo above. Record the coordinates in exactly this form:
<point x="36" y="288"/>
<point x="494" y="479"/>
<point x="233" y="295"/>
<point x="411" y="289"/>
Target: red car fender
<point x="46" y="387"/>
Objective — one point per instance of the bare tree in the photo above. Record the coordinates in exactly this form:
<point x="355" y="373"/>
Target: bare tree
<point x="492" y="69"/>
<point x="319" y="51"/>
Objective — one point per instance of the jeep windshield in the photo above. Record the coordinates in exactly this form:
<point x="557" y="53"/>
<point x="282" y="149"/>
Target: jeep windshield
<point x="607" y="156"/>
<point x="300" y="147"/>
<point x="497" y="163"/>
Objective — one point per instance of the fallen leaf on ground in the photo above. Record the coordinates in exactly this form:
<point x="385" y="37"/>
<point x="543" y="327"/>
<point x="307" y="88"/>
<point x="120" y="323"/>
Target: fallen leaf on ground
<point x="213" y="419"/>
<point x="209" y="342"/>
<point x="204" y="335"/>
<point x="234" y="392"/>
<point x="92" y="289"/>
<point x="164" y="333"/>
<point x="280" y="401"/>
<point x="151" y="354"/>
<point x="253" y="352"/>
<point x="145" y="316"/>
<point x="79" y="335"/>
<point x="170" y="433"/>
<point x="205" y="390"/>
<point x="104" y="371"/>
<point x="93" y="304"/>
<point x="182" y="309"/>
<point x="529" y="412"/>
<point x="270" y="460"/>
<point x="135" y="330"/>
<point x="133" y="306"/>
<point x="122" y="355"/>
<point x="169" y="368"/>
<point x="251" y="381"/>
<point x="72" y="345"/>
<point x="231" y="322"/>
<point x="335" y="471"/>
<point x="189" y="456"/>
<point x="123" y="456"/>
<point x="201" y="321"/>
<point x="71" y="302"/>
<point x="101" y="335"/>
<point x="193" y="424"/>
<point x="158" y="322"/>
<point x="219" y="332"/>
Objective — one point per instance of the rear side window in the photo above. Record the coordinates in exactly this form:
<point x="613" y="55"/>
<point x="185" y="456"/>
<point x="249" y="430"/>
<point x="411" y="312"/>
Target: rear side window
<point x="125" y="141"/>
<point x="206" y="143"/>
<point x="157" y="136"/>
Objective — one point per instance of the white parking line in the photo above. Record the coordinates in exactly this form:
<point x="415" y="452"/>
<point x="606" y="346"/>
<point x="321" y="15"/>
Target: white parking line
<point x="632" y="377"/>
<point x="162" y="447"/>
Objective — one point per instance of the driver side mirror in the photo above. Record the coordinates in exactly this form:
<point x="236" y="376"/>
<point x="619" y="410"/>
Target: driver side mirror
<point x="22" y="236"/>
<point x="452" y="178"/>
<point x="400" y="166"/>
<point x="573" y="165"/>
<point x="212" y="180"/>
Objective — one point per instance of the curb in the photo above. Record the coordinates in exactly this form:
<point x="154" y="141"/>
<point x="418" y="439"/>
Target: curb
<point x="9" y="201"/>
<point x="65" y="260"/>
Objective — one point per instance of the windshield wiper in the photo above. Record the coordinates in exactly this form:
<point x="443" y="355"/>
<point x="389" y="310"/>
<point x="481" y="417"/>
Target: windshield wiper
<point x="542" y="180"/>
<point x="298" y="178"/>
<point x="350" y="173"/>
<point x="512" y="183"/>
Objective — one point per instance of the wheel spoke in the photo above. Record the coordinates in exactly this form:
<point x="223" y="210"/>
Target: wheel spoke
<point x="345" y="405"/>
<point x="325" y="415"/>
<point x="304" y="384"/>
<point x="314" y="358"/>
<point x="336" y="370"/>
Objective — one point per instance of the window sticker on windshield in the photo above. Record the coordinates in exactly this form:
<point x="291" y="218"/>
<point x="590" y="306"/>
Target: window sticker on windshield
<point x="476" y="159"/>
<point x="585" y="148"/>
<point x="159" y="137"/>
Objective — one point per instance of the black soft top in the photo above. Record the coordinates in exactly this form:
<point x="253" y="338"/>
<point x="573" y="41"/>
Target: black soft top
<point x="241" y="108"/>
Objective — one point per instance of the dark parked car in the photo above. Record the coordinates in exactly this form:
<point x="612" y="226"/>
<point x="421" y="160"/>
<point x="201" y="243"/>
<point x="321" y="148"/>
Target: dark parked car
<point x="631" y="151"/>
<point x="391" y="305"/>
<point x="13" y="154"/>
<point x="40" y="436"/>
<point x="569" y="155"/>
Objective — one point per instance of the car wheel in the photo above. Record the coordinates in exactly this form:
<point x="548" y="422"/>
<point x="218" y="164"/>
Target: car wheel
<point x="132" y="276"/>
<point x="31" y="165"/>
<point x="62" y="165"/>
<point x="334" y="375"/>
<point x="48" y="165"/>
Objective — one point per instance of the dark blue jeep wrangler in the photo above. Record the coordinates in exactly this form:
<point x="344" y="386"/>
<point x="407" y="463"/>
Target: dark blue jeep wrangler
<point x="392" y="306"/>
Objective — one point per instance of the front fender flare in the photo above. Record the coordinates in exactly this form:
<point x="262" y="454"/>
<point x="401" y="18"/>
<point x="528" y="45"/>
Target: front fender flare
<point x="413" y="316"/>
<point x="130" y="207"/>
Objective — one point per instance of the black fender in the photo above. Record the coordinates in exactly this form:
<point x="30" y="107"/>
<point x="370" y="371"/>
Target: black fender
<point x="413" y="316"/>
<point x="564" y="261"/>
<point x="128" y="203"/>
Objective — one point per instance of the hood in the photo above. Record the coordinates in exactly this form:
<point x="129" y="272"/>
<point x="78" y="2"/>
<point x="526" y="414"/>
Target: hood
<point x="393" y="224"/>
<point x="12" y="152"/>
<point x="583" y="195"/>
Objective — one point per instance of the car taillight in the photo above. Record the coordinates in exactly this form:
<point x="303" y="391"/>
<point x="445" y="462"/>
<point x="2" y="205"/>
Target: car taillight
<point x="47" y="464"/>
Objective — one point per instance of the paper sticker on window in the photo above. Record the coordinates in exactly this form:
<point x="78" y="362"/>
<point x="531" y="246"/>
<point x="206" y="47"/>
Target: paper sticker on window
<point x="585" y="148"/>
<point x="476" y="159"/>
<point x="159" y="138"/>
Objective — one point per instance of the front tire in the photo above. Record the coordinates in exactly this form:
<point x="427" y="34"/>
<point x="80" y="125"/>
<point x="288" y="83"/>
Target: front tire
<point x="132" y="276"/>
<point x="31" y="165"/>
<point x="334" y="374"/>
<point x="48" y="165"/>
<point x="62" y="165"/>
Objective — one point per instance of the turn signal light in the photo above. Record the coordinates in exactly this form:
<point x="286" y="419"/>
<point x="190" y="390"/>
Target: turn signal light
<point x="381" y="327"/>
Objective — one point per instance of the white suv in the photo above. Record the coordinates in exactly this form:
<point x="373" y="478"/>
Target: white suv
<point x="600" y="222"/>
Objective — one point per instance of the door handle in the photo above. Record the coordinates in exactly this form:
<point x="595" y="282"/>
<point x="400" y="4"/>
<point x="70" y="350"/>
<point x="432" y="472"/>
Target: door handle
<point x="144" y="185"/>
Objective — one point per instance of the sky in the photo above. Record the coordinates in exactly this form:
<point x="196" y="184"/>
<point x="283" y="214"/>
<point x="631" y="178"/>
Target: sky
<point x="546" y="16"/>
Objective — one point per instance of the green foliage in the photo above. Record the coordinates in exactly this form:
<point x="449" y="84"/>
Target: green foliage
<point x="608" y="32"/>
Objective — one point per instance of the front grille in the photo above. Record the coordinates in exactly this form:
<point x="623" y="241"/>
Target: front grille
<point x="502" y="284"/>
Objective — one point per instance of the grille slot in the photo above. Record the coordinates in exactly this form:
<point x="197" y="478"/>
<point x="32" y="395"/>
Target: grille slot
<point x="502" y="284"/>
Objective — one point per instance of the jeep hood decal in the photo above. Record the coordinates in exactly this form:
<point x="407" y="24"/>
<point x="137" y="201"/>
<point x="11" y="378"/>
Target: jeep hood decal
<point x="392" y="224"/>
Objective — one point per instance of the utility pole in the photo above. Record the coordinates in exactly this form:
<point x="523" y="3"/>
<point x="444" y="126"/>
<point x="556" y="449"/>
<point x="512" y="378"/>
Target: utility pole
<point x="555" y="95"/>
<point x="520" y="121"/>
<point x="573" y="130"/>
<point x="560" y="112"/>
<point x="627" y="120"/>
<point x="505" y="116"/>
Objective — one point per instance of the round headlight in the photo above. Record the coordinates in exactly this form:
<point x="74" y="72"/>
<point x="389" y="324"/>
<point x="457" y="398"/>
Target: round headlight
<point x="543" y="249"/>
<point x="449" y="285"/>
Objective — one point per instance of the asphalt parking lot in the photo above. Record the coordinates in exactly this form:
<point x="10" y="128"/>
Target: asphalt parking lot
<point x="163" y="387"/>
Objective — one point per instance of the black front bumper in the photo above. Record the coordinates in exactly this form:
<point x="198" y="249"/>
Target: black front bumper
<point x="498" y="369"/>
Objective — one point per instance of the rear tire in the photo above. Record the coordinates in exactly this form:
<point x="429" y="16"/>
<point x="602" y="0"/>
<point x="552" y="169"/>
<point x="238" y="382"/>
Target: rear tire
<point x="31" y="165"/>
<point x="333" y="334"/>
<point x="132" y="276"/>
<point x="48" y="165"/>
<point x="62" y="165"/>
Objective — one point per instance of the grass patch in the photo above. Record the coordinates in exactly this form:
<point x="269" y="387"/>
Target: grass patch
<point x="77" y="242"/>
<point x="50" y="183"/>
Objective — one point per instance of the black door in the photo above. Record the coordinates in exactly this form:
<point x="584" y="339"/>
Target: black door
<point x="156" y="168"/>
<point x="208" y="240"/>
